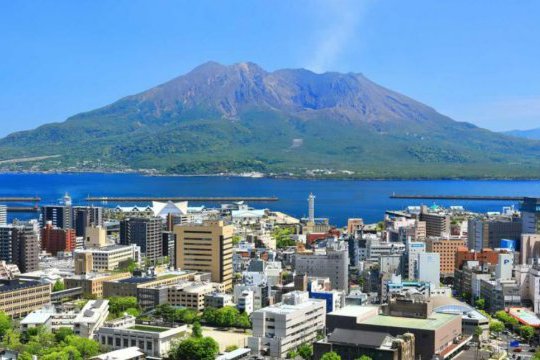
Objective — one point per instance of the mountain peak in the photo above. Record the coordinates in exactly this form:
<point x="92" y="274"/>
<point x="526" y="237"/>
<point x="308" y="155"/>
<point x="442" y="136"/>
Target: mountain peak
<point x="240" y="117"/>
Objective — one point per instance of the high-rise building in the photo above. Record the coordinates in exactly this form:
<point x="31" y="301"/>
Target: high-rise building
<point x="146" y="233"/>
<point x="283" y="327"/>
<point x="3" y="215"/>
<point x="530" y="248"/>
<point x="206" y="247"/>
<point x="26" y="245"/>
<point x="6" y="243"/>
<point x="429" y="266"/>
<point x="354" y="225"/>
<point x="95" y="237"/>
<point x="488" y="232"/>
<point x="530" y="215"/>
<point x="447" y="249"/>
<point x="83" y="262"/>
<point x="60" y="216"/>
<point x="169" y="243"/>
<point x="410" y="258"/>
<point x="503" y="270"/>
<point x="334" y="265"/>
<point x="54" y="240"/>
<point x="436" y="224"/>
<point x="87" y="216"/>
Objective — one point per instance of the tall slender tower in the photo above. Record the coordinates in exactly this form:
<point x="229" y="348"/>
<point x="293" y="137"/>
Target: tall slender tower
<point x="311" y="208"/>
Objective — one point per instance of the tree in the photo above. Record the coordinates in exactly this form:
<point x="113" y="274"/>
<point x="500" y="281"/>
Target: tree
<point x="62" y="333"/>
<point x="331" y="356"/>
<point x="496" y="326"/>
<point x="119" y="304"/>
<point x="166" y="311"/>
<point x="86" y="347"/>
<point x="5" y="323"/>
<point x="283" y="237"/>
<point x="478" y="332"/>
<point x="226" y="316"/>
<point x="508" y="320"/>
<point x="204" y="348"/>
<point x="12" y="340"/>
<point x="127" y="266"/>
<point x="236" y="239"/>
<point x="305" y="351"/>
<point x="196" y="330"/>
<point x="58" y="286"/>
<point x="364" y="357"/>
<point x="480" y="303"/>
<point x="210" y="315"/>
<point x="527" y="332"/>
<point x="133" y="312"/>
<point x="231" y="348"/>
<point x="292" y="354"/>
<point x="242" y="321"/>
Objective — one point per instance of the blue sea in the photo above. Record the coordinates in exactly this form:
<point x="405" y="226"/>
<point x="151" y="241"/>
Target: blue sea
<point x="335" y="199"/>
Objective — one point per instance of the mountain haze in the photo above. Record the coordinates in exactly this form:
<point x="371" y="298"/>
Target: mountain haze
<point x="528" y="134"/>
<point x="239" y="118"/>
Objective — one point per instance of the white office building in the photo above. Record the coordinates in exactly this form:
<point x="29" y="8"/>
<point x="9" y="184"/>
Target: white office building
<point x="245" y="302"/>
<point x="429" y="268"/>
<point x="334" y="265"/>
<point x="152" y="340"/>
<point x="109" y="258"/>
<point x="279" y="328"/>
<point x="91" y="317"/>
<point x="410" y="263"/>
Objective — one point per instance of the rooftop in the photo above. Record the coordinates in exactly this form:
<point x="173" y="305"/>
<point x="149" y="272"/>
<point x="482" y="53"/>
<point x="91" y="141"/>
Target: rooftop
<point x="122" y="354"/>
<point x="146" y="328"/>
<point x="435" y="321"/>
<point x="10" y="285"/>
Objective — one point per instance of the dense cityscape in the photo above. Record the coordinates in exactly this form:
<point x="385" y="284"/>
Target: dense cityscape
<point x="175" y="281"/>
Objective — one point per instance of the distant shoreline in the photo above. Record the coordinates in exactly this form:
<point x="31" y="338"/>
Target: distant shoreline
<point x="270" y="176"/>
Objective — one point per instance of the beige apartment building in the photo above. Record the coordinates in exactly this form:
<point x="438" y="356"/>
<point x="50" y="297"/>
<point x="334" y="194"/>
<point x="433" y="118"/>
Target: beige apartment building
<point x="128" y="286"/>
<point x="191" y="294"/>
<point x="106" y="258"/>
<point x="92" y="283"/>
<point x="206" y="247"/>
<point x="19" y="298"/>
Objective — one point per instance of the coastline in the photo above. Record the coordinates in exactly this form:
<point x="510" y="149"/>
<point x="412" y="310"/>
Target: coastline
<point x="336" y="177"/>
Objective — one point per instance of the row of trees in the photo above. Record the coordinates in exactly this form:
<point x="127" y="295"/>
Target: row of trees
<point x="118" y="305"/>
<point x="305" y="351"/>
<point x="169" y="313"/>
<point x="227" y="316"/>
<point x="62" y="345"/>
<point x="503" y="319"/>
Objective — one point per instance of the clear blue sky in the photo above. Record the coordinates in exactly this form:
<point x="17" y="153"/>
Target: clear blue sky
<point x="476" y="61"/>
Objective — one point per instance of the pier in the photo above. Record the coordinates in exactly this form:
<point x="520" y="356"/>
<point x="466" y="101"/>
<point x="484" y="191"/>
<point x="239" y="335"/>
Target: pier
<point x="19" y="199"/>
<point x="459" y="197"/>
<point x="115" y="199"/>
<point x="22" y="209"/>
